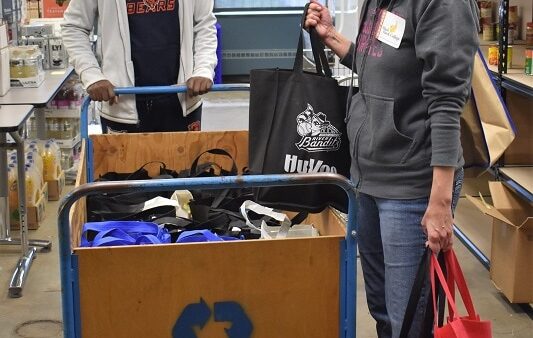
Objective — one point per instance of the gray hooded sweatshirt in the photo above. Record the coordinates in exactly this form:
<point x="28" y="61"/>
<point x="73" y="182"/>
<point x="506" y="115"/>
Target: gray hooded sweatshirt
<point x="406" y="117"/>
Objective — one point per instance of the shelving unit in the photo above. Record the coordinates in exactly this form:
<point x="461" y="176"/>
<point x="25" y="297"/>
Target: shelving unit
<point x="515" y="169"/>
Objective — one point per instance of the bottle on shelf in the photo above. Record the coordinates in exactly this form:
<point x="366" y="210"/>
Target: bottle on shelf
<point x="12" y="188"/>
<point x="38" y="161"/>
<point x="32" y="184"/>
<point x="50" y="163"/>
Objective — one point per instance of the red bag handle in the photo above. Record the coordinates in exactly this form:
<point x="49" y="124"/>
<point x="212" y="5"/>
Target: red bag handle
<point x="435" y="268"/>
<point x="455" y="274"/>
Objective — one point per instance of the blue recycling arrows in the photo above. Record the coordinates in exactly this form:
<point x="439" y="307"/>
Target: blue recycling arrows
<point x="234" y="313"/>
<point x="198" y="315"/>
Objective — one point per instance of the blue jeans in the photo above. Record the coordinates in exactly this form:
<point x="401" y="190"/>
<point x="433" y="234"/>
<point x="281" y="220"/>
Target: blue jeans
<point x="391" y="244"/>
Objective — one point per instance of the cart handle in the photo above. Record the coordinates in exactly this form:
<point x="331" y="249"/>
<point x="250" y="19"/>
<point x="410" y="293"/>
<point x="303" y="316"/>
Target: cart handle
<point x="148" y="90"/>
<point x="348" y="262"/>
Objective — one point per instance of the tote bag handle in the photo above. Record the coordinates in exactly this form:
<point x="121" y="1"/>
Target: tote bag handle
<point x="321" y="62"/>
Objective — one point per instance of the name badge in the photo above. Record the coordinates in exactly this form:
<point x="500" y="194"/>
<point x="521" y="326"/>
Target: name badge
<point x="392" y="29"/>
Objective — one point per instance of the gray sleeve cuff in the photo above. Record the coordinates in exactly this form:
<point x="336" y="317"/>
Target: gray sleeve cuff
<point x="348" y="59"/>
<point x="445" y="138"/>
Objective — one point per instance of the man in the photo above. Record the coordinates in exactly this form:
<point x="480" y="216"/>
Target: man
<point x="414" y="61"/>
<point x="143" y="43"/>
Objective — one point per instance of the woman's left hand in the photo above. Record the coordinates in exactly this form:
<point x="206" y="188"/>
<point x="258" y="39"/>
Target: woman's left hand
<point x="438" y="225"/>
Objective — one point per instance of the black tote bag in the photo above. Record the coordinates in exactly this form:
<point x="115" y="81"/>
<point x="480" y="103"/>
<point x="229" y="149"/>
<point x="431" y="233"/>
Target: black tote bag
<point x="297" y="126"/>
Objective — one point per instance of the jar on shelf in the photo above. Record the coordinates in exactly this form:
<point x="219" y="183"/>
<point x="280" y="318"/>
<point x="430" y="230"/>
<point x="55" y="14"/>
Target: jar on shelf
<point x="488" y="32"/>
<point x="529" y="34"/>
<point x="485" y="12"/>
<point x="528" y="69"/>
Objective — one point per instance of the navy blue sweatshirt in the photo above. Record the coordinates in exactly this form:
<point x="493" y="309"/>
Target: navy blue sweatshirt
<point x="155" y="41"/>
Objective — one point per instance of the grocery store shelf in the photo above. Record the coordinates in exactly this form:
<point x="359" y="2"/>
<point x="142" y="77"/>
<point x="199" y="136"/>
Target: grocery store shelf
<point x="520" y="179"/>
<point x="518" y="82"/>
<point x="495" y="42"/>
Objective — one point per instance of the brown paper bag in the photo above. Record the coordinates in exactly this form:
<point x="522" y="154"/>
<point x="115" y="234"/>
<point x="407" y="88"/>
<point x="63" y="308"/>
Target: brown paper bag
<point x="486" y="126"/>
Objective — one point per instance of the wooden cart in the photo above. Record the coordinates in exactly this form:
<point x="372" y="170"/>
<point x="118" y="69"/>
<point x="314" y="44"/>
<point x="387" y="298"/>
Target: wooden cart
<point x="296" y="288"/>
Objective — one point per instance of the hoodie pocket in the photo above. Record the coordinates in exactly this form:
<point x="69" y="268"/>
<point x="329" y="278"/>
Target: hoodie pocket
<point x="381" y="141"/>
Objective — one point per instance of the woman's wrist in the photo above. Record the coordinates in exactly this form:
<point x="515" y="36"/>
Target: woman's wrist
<point x="336" y="42"/>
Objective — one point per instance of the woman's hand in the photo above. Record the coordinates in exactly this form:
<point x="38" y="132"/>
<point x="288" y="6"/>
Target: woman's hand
<point x="438" y="225"/>
<point x="438" y="219"/>
<point x="319" y="18"/>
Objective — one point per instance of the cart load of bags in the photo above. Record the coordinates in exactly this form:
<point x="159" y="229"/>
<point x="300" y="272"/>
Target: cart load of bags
<point x="185" y="216"/>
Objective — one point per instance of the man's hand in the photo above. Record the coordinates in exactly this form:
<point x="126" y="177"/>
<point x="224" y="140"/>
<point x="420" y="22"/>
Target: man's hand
<point x="103" y="91"/>
<point x="198" y="85"/>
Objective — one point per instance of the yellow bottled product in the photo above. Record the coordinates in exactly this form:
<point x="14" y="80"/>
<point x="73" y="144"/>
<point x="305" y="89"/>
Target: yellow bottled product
<point x="35" y="172"/>
<point x="32" y="190"/>
<point x="35" y="156"/>
<point x="50" y="164"/>
<point x="12" y="187"/>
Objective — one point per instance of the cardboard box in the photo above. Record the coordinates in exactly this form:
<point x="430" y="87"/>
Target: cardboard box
<point x="35" y="214"/>
<point x="28" y="82"/>
<point x="4" y="42"/>
<point x="54" y="8"/>
<point x="512" y="242"/>
<point x="55" y="187"/>
<point x="5" y="78"/>
<point x="474" y="186"/>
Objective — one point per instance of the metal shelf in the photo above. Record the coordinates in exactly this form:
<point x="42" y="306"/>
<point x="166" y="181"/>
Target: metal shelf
<point x="519" y="179"/>
<point x="519" y="83"/>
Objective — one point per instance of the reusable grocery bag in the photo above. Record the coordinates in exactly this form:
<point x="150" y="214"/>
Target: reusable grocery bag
<point x="297" y="126"/>
<point x="118" y="233"/>
<point x="486" y="126"/>
<point x="457" y="327"/>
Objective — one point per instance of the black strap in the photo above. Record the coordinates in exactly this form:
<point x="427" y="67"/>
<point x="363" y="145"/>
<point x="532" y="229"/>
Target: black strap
<point x="215" y="151"/>
<point x="418" y="285"/>
<point x="421" y="281"/>
<point x="321" y="64"/>
<point x="299" y="218"/>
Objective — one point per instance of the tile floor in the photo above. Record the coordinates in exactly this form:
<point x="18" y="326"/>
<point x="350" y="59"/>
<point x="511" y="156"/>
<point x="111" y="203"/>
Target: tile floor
<point x="40" y="304"/>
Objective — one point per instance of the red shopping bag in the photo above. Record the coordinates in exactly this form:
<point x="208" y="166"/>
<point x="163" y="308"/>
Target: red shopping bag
<point x="457" y="327"/>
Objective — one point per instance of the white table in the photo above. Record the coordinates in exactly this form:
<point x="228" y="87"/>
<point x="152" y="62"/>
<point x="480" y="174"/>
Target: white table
<point x="12" y="120"/>
<point x="39" y="96"/>
<point x="16" y="107"/>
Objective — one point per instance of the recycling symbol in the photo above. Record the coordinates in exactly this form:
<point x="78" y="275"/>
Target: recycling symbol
<point x="198" y="315"/>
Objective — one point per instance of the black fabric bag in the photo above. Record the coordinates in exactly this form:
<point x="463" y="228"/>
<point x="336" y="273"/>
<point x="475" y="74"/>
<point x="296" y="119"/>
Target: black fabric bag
<point x="297" y="126"/>
<point x="421" y="289"/>
<point x="126" y="206"/>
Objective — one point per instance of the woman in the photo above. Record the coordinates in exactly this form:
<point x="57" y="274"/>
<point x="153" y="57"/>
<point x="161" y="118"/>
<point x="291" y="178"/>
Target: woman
<point x="414" y="62"/>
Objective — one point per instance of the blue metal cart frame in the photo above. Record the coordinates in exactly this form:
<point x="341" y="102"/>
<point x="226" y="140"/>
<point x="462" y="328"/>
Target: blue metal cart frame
<point x="68" y="260"/>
